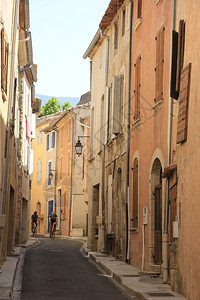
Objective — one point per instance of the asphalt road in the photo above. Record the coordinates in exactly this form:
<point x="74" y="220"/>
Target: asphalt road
<point x="56" y="269"/>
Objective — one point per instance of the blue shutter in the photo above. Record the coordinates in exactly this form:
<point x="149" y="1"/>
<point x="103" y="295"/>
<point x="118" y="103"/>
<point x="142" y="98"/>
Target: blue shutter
<point x="53" y="139"/>
<point x="49" y="171"/>
<point x="47" y="142"/>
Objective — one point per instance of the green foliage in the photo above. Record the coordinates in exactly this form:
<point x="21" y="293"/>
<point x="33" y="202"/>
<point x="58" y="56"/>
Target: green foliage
<point x="66" y="105"/>
<point x="50" y="107"/>
<point x="53" y="106"/>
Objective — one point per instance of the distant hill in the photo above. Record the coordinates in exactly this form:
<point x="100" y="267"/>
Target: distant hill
<point x="72" y="100"/>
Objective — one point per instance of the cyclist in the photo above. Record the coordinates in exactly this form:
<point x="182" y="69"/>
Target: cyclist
<point x="53" y="220"/>
<point x="34" y="218"/>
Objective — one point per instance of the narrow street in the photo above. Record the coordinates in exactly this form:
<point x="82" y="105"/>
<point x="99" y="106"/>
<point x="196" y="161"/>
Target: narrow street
<point x="56" y="269"/>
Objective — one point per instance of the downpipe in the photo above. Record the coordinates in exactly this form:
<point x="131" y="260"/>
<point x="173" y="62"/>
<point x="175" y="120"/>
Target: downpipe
<point x="166" y="220"/>
<point x="128" y="142"/>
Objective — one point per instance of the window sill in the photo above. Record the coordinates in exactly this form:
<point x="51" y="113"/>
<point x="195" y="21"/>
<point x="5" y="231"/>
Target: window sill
<point x="137" y="23"/>
<point x="157" y="105"/>
<point x="136" y="123"/>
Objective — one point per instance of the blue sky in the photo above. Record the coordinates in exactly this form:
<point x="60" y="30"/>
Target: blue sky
<point x="61" y="32"/>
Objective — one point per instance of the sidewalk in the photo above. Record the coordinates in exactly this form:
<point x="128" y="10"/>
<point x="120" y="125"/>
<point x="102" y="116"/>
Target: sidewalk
<point x="133" y="279"/>
<point x="8" y="271"/>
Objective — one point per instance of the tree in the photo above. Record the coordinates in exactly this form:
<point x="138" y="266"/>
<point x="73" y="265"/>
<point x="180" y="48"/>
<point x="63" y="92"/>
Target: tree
<point x="50" y="107"/>
<point x="66" y="105"/>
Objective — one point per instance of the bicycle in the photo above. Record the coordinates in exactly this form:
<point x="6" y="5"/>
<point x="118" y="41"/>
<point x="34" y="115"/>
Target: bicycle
<point x="53" y="230"/>
<point x="34" y="229"/>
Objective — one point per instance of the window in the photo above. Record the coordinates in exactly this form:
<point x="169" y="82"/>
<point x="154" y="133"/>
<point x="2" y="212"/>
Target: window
<point x="134" y="215"/>
<point x="137" y="87"/>
<point x="139" y="11"/>
<point x="123" y="22"/>
<point x="53" y="139"/>
<point x="116" y="37"/>
<point x="47" y="148"/>
<point x="178" y="45"/>
<point x="92" y="133"/>
<point x="39" y="170"/>
<point x="4" y="61"/>
<point x="49" y="171"/>
<point x="159" y="64"/>
<point x="118" y="104"/>
<point x="39" y="137"/>
<point x="102" y="123"/>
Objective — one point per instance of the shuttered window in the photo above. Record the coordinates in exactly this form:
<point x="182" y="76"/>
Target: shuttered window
<point x="178" y="45"/>
<point x="39" y="137"/>
<point x="4" y="61"/>
<point x="39" y="170"/>
<point x="118" y="104"/>
<point x="137" y="87"/>
<point x="183" y="104"/>
<point x="53" y="139"/>
<point x="92" y="134"/>
<point x="134" y="216"/>
<point x="159" y="64"/>
<point x="123" y="22"/>
<point x="180" y="56"/>
<point x="116" y="36"/>
<point x="49" y="171"/>
<point x="47" y="146"/>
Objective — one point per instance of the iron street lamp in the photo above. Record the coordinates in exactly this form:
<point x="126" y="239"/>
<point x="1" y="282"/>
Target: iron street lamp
<point x="51" y="174"/>
<point x="79" y="146"/>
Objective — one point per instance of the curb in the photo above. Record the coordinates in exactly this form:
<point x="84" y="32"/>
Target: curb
<point x="132" y="280"/>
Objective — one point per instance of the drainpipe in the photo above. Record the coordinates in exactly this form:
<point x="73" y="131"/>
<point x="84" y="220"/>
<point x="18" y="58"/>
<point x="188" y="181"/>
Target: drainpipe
<point x="56" y="165"/>
<point x="72" y="155"/>
<point x="12" y="75"/>
<point x="128" y="140"/>
<point x="103" y="150"/>
<point x="165" y="236"/>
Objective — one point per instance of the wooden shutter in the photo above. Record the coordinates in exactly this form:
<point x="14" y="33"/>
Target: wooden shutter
<point x="53" y="139"/>
<point x="183" y="104"/>
<point x="49" y="171"/>
<point x="39" y="171"/>
<point x="137" y="87"/>
<point x="118" y="104"/>
<point x="159" y="64"/>
<point x="47" y="148"/>
<point x="116" y="36"/>
<point x="134" y="218"/>
<point x="4" y="61"/>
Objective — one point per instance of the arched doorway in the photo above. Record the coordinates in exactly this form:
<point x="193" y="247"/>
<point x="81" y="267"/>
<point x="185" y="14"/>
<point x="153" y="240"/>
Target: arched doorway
<point x="156" y="212"/>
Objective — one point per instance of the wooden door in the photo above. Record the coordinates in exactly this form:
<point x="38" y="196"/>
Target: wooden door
<point x="158" y="225"/>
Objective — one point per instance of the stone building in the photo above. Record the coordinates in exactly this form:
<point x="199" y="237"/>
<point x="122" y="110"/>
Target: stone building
<point x="70" y="172"/>
<point x="109" y="54"/>
<point x="18" y="74"/>
<point x="149" y="147"/>
<point x="38" y="194"/>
